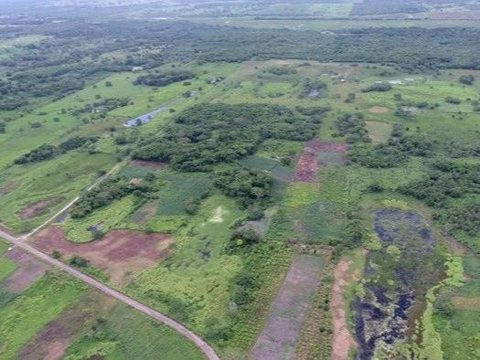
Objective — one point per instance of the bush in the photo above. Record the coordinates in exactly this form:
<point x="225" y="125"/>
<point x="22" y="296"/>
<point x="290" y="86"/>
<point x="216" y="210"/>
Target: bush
<point x="164" y="79"/>
<point x="250" y="187"/>
<point x="379" y="87"/>
<point x="79" y="261"/>
<point x="466" y="79"/>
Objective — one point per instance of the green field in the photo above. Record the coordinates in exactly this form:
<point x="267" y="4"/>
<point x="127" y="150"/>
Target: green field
<point x="342" y="129"/>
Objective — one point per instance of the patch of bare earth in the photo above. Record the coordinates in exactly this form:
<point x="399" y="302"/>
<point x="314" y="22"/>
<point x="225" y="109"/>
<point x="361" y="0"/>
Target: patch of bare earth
<point x="308" y="164"/>
<point x="37" y="208"/>
<point x="289" y="310"/>
<point x="464" y="303"/>
<point x="378" y="110"/>
<point x="153" y="165"/>
<point x="55" y="338"/>
<point x="342" y="340"/>
<point x="8" y="187"/>
<point x="29" y="270"/>
<point x="119" y="253"/>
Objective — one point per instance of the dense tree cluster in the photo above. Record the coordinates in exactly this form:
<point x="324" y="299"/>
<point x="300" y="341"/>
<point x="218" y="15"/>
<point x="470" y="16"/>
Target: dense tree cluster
<point x="104" y="194"/>
<point x="281" y="70"/>
<point x="353" y="127"/>
<point x="250" y="187"/>
<point x="209" y="134"/>
<point x="379" y="7"/>
<point x="463" y="218"/>
<point x="313" y="89"/>
<point x="394" y="153"/>
<point x="103" y="106"/>
<point x="45" y="151"/>
<point x="378" y="87"/>
<point x="445" y="180"/>
<point x="164" y="79"/>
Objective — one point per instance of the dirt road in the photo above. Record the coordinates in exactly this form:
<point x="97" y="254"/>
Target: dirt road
<point x="201" y="344"/>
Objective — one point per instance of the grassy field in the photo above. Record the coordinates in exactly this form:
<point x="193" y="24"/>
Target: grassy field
<point x="195" y="284"/>
<point x="7" y="266"/>
<point x="117" y="337"/>
<point x="57" y="182"/>
<point x="27" y="314"/>
<point x="197" y="277"/>
<point x="112" y="217"/>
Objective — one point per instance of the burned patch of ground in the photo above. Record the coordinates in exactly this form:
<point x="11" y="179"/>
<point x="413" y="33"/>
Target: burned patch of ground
<point x="396" y="279"/>
<point x="309" y="162"/>
<point x="120" y="251"/>
<point x="38" y="208"/>
<point x="290" y="309"/>
<point x="29" y="270"/>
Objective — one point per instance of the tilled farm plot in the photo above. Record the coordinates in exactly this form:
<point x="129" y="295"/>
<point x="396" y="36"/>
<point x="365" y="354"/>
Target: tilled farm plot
<point x="119" y="252"/>
<point x="290" y="309"/>
<point x="29" y="270"/>
<point x="312" y="158"/>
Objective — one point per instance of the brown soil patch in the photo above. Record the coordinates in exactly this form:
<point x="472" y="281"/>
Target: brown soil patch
<point x="308" y="164"/>
<point x="463" y="303"/>
<point x="29" y="270"/>
<point x="378" y="110"/>
<point x="55" y="338"/>
<point x="120" y="252"/>
<point x="342" y="341"/>
<point x="8" y="187"/>
<point x="154" y="165"/>
<point x="38" y="208"/>
<point x="290" y="310"/>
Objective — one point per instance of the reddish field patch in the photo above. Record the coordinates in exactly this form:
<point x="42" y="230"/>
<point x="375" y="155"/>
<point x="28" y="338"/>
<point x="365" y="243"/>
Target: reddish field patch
<point x="8" y="187"/>
<point x="308" y="164"/>
<point x="37" y="208"/>
<point x="55" y="338"/>
<point x="29" y="270"/>
<point x="342" y="341"/>
<point x="52" y="342"/>
<point x="120" y="252"/>
<point x="154" y="165"/>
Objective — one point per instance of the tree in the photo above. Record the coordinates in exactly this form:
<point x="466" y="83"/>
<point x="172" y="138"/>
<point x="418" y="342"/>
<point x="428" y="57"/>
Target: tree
<point x="466" y="79"/>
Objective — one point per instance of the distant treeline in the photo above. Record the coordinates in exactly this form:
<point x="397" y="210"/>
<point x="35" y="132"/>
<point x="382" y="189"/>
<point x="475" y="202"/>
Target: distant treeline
<point x="77" y="52"/>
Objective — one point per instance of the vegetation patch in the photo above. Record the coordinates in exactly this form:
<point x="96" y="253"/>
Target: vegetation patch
<point x="209" y="134"/>
<point x="379" y="132"/>
<point x="27" y="314"/>
<point x="27" y="271"/>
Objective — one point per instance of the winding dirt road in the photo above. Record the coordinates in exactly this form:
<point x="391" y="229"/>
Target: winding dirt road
<point x="198" y="341"/>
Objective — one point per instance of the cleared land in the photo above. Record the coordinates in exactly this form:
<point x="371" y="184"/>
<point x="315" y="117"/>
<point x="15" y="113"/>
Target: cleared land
<point x="119" y="253"/>
<point x="289" y="310"/>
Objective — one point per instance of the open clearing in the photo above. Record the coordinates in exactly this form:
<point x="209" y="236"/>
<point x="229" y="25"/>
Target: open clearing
<point x="378" y="131"/>
<point x="28" y="271"/>
<point x="119" y="252"/>
<point x="379" y="110"/>
<point x="343" y="341"/>
<point x="289" y="310"/>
